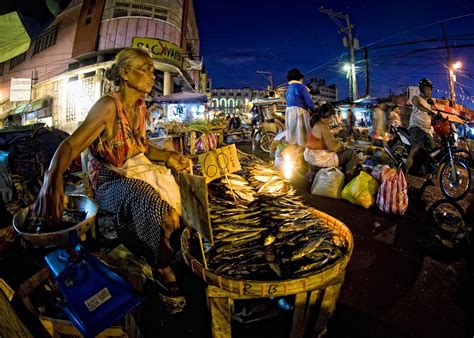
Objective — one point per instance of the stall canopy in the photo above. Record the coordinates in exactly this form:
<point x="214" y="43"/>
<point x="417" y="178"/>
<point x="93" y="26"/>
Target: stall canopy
<point x="452" y="118"/>
<point x="183" y="97"/>
<point x="22" y="21"/>
<point x="366" y="100"/>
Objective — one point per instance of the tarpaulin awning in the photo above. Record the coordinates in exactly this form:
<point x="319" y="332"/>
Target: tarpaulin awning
<point x="32" y="106"/>
<point x="366" y="100"/>
<point x="266" y="101"/>
<point x="183" y="97"/>
<point x="22" y="21"/>
<point x="452" y="118"/>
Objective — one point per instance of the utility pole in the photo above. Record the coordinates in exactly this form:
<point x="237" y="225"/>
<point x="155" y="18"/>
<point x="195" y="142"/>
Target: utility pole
<point x="268" y="76"/>
<point x="349" y="42"/>
<point x="367" y="82"/>
<point x="450" y="67"/>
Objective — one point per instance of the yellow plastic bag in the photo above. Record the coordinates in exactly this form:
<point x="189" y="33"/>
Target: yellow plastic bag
<point x="361" y="190"/>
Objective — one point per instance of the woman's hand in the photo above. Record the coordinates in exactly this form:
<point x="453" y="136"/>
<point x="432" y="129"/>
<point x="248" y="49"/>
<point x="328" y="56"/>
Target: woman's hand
<point x="50" y="201"/>
<point x="170" y="222"/>
<point x="178" y="162"/>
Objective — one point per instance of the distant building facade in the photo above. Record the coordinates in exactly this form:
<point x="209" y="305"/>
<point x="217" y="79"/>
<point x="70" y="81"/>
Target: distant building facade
<point x="231" y="100"/>
<point x="321" y="92"/>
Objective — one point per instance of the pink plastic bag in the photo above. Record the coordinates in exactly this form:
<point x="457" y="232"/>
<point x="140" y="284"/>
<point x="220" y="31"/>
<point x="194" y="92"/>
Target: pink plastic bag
<point x="392" y="196"/>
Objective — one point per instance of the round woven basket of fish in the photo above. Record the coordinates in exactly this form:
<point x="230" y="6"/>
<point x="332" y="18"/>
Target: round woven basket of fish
<point x="275" y="263"/>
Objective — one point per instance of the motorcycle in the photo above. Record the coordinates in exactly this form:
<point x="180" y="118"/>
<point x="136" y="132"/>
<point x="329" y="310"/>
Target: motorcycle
<point x="446" y="165"/>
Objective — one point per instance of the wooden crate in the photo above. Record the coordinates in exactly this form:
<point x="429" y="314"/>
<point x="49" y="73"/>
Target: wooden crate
<point x="316" y="295"/>
<point x="64" y="328"/>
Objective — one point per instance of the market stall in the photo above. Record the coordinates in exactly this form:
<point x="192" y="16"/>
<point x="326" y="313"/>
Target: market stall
<point x="261" y="242"/>
<point x="186" y="120"/>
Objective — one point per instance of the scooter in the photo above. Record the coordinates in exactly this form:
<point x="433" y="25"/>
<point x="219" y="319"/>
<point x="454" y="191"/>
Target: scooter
<point x="446" y="165"/>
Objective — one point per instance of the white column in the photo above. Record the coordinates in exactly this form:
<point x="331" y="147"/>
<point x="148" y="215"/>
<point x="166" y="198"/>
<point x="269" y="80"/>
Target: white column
<point x="166" y="83"/>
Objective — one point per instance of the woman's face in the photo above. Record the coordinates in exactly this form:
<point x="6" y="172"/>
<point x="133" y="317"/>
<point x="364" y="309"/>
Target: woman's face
<point x="141" y="75"/>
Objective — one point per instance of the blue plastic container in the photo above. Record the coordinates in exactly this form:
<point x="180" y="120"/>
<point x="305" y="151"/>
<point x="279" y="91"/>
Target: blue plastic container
<point x="94" y="296"/>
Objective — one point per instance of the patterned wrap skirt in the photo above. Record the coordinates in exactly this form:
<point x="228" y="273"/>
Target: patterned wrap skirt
<point x="137" y="210"/>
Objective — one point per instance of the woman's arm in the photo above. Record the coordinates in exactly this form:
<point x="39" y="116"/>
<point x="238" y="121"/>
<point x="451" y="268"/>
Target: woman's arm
<point x="171" y="158"/>
<point x="307" y="98"/>
<point x="49" y="203"/>
<point x="329" y="140"/>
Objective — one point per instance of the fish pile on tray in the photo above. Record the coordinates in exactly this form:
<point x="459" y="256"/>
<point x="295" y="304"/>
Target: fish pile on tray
<point x="262" y="231"/>
<point x="35" y="224"/>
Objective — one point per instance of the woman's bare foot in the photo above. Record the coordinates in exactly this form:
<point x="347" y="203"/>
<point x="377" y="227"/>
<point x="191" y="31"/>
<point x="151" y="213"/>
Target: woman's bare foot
<point x="167" y="278"/>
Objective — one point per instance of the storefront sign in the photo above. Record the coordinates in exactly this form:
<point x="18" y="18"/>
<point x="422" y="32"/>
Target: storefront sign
<point x="219" y="162"/>
<point x="20" y="89"/>
<point x="161" y="50"/>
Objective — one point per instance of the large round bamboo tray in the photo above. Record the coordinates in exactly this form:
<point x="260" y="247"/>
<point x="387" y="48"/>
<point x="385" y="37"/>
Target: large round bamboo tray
<point x="332" y="274"/>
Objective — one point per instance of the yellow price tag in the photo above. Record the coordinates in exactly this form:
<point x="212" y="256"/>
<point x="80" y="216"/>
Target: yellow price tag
<point x="219" y="162"/>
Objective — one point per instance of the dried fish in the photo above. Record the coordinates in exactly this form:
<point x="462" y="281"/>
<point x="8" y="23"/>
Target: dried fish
<point x="307" y="248"/>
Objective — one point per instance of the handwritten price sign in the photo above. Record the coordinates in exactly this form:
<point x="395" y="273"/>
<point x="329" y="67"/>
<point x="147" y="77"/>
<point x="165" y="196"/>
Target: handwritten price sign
<point x="219" y="162"/>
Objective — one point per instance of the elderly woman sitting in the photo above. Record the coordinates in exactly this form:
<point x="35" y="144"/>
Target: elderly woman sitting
<point x="323" y="150"/>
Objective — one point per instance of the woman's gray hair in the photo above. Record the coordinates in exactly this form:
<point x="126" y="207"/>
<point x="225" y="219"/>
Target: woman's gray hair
<point x="127" y="57"/>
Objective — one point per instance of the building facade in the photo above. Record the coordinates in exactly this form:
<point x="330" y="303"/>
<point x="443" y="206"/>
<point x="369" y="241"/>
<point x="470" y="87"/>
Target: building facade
<point x="66" y="64"/>
<point x="321" y="92"/>
<point x="232" y="101"/>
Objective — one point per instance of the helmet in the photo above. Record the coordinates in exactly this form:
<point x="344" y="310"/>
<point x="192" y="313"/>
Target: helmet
<point x="425" y="83"/>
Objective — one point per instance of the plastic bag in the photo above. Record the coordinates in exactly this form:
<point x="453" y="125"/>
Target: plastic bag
<point x="377" y="171"/>
<point x="387" y="173"/>
<point x="328" y="183"/>
<point x="361" y="190"/>
<point x="393" y="196"/>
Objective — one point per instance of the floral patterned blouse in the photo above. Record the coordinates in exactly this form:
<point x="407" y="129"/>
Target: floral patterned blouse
<point x="125" y="144"/>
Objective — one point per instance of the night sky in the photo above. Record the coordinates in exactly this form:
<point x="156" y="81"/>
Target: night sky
<point x="240" y="37"/>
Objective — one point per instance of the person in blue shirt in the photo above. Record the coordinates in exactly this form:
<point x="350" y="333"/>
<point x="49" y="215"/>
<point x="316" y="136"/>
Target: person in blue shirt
<point x="299" y="105"/>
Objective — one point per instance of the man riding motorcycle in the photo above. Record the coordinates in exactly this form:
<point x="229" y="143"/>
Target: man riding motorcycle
<point x="419" y="128"/>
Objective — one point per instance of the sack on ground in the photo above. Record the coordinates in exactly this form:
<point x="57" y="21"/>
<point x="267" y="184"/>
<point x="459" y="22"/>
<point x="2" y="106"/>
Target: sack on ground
<point x="387" y="173"/>
<point x="392" y="196"/>
<point x="321" y="158"/>
<point x="328" y="183"/>
<point x="377" y="171"/>
<point x="361" y="190"/>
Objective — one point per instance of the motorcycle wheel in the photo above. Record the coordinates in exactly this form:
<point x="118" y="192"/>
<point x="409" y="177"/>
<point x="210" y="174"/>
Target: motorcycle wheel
<point x="454" y="184"/>
<point x="266" y="141"/>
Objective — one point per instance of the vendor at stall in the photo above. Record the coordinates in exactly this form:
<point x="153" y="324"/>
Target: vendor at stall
<point x="299" y="107"/>
<point x="145" y="215"/>
<point x="234" y="124"/>
<point x="323" y="150"/>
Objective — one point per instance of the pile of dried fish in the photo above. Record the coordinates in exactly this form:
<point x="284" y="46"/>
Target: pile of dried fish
<point x="71" y="217"/>
<point x="262" y="231"/>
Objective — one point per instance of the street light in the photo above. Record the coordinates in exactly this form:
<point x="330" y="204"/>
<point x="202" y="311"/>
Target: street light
<point x="452" y="79"/>
<point x="348" y="69"/>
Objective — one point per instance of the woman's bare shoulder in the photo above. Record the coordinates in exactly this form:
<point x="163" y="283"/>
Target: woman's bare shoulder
<point x="104" y="108"/>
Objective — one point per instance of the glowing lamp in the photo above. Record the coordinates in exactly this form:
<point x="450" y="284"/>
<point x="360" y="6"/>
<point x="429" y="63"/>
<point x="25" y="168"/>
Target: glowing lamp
<point x="287" y="166"/>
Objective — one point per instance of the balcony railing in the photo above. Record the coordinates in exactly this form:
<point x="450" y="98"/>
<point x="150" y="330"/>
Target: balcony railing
<point x="166" y="10"/>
